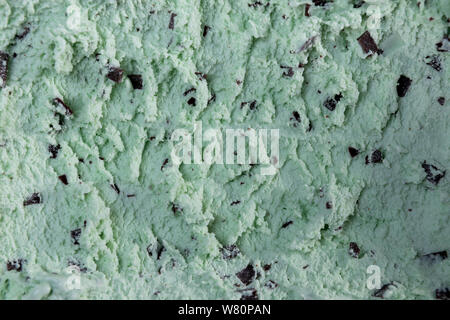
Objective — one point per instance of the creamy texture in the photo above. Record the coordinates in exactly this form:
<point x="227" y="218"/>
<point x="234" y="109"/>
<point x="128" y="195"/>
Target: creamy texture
<point x="87" y="180"/>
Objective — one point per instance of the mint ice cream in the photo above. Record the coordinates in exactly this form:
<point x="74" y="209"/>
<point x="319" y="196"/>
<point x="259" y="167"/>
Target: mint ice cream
<point x="92" y="205"/>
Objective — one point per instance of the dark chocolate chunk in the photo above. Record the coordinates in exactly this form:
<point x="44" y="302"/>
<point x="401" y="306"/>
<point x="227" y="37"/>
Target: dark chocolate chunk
<point x="192" y="102"/>
<point x="115" y="74"/>
<point x="172" y="21"/>
<point x="235" y="202"/>
<point x="381" y="292"/>
<point x="267" y="267"/>
<point x="338" y="97"/>
<point x="246" y="275"/>
<point x="443" y="45"/>
<point x="4" y="59"/>
<point x="15" y="265"/>
<point x="403" y="85"/>
<point x="189" y="91"/>
<point x="53" y="150"/>
<point x="75" y="235"/>
<point x="23" y="34"/>
<point x="329" y="205"/>
<point x="229" y="252"/>
<point x="434" y="174"/>
<point x="166" y="161"/>
<point x="330" y="104"/>
<point x="289" y="73"/>
<point x="442" y="294"/>
<point x="353" y="151"/>
<point x="63" y="179"/>
<point x="35" y="198"/>
<point x="271" y="284"/>
<point x="353" y="250"/>
<point x="136" y="81"/>
<point x="250" y="295"/>
<point x="59" y="103"/>
<point x="78" y="265"/>
<point x="115" y="188"/>
<point x="441" y="100"/>
<point x="376" y="157"/>
<point x="296" y="116"/>
<point x="176" y="208"/>
<point x="434" y="61"/>
<point x="368" y="44"/>
<point x="206" y="30"/>
<point x="307" y="6"/>
<point x="287" y="224"/>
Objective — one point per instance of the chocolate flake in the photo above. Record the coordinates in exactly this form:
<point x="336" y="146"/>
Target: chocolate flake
<point x="436" y="256"/>
<point x="176" y="208"/>
<point x="441" y="100"/>
<point x="115" y="188"/>
<point x="287" y="224"/>
<point x="172" y="21"/>
<point x="212" y="99"/>
<point x="59" y="103"/>
<point x="403" y="85"/>
<point x="267" y="267"/>
<point x="376" y="157"/>
<point x="75" y="235"/>
<point x="235" y="203"/>
<point x="330" y="104"/>
<point x="443" y="45"/>
<point x="35" y="198"/>
<point x="206" y="30"/>
<point x="353" y="151"/>
<point x="229" y="252"/>
<point x="252" y="105"/>
<point x="15" y="265"/>
<point x="308" y="43"/>
<point x="63" y="179"/>
<point x="255" y="4"/>
<point x="115" y="74"/>
<point x="201" y="76"/>
<point x="271" y="284"/>
<point x="246" y="275"/>
<point x="289" y="73"/>
<point x="434" y="174"/>
<point x="368" y="44"/>
<point x="166" y="161"/>
<point x="136" y="81"/>
<point x="23" y="34"/>
<point x="442" y="294"/>
<point x="189" y="91"/>
<point x="192" y="102"/>
<point x="4" y="59"/>
<point x="329" y="205"/>
<point x="250" y="295"/>
<point x="353" y="250"/>
<point x="53" y="150"/>
<point x="307" y="6"/>
<point x="434" y="61"/>
<point x="321" y="3"/>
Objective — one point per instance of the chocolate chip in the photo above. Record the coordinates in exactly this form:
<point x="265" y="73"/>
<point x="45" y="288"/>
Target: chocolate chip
<point x="267" y="267"/>
<point x="54" y="150"/>
<point x="443" y="45"/>
<point x="330" y="104"/>
<point x="23" y="34"/>
<point x="368" y="44"/>
<point x="441" y="100"/>
<point x="192" y="102"/>
<point x="206" y="30"/>
<point x="115" y="74"/>
<point x="63" y="179"/>
<point x="271" y="284"/>
<point x="307" y="6"/>
<point x="434" y="174"/>
<point x="246" y="275"/>
<point x="4" y="60"/>
<point x="442" y="294"/>
<point x="329" y="205"/>
<point x="115" y="188"/>
<point x="403" y="85"/>
<point x="235" y="203"/>
<point x="286" y="224"/>
<point x="229" y="252"/>
<point x="296" y="116"/>
<point x="376" y="157"/>
<point x="75" y="235"/>
<point x="172" y="21"/>
<point x="353" y="151"/>
<point x="136" y="81"/>
<point x="250" y="295"/>
<point x="381" y="292"/>
<point x="15" y="265"/>
<point x="434" y="61"/>
<point x="35" y="198"/>
<point x="189" y="91"/>
<point x="166" y="161"/>
<point x="59" y="103"/>
<point x="353" y="250"/>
